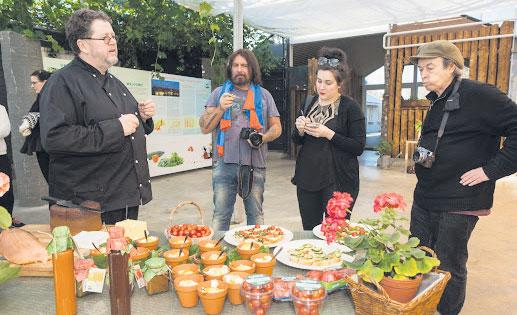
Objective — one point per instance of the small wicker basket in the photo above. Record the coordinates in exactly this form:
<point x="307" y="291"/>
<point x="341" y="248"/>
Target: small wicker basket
<point x="201" y="214"/>
<point x="370" y="302"/>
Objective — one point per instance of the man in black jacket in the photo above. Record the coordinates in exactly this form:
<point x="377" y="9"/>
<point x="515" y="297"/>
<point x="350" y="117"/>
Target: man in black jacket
<point x="458" y="186"/>
<point x="93" y="128"/>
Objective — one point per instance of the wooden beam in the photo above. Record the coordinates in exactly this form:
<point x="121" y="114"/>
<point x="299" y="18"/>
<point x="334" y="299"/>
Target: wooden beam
<point x="398" y="90"/>
<point x="504" y="55"/>
<point x="492" y="57"/>
<point x="474" y="57"/>
<point x="392" y="87"/>
<point x="403" y="130"/>
<point x="483" y="49"/>
<point x="466" y="45"/>
<point x="311" y="72"/>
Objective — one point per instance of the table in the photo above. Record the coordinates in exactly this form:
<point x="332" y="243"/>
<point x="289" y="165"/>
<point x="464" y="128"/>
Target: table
<point x="27" y="295"/>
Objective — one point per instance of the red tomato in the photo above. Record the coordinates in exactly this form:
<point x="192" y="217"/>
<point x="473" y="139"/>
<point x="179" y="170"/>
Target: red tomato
<point x="328" y="276"/>
<point x="315" y="275"/>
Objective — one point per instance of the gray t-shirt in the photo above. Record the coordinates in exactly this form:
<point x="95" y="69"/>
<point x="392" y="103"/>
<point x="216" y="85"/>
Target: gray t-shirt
<point x="237" y="150"/>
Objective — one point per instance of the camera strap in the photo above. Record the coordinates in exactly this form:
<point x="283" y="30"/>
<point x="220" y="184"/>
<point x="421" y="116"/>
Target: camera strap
<point x="454" y="97"/>
<point x="240" y="176"/>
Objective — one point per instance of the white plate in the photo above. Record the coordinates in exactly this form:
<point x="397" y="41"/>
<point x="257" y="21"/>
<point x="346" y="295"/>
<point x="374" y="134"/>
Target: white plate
<point x="84" y="239"/>
<point x="229" y="236"/>
<point x="285" y="258"/>
<point x="317" y="229"/>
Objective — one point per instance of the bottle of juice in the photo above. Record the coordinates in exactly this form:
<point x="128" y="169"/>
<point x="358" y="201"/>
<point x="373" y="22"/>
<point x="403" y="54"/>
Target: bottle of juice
<point x="118" y="259"/>
<point x="61" y="249"/>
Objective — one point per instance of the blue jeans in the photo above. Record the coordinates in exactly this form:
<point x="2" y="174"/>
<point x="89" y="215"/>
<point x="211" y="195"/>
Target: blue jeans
<point x="225" y="182"/>
<point x="448" y="235"/>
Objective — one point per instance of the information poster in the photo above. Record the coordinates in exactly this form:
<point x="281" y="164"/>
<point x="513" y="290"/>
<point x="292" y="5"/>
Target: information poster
<point x="176" y="144"/>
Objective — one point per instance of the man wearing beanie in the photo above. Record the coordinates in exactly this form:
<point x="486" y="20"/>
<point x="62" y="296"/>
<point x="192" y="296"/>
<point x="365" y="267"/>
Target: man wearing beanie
<point x="457" y="161"/>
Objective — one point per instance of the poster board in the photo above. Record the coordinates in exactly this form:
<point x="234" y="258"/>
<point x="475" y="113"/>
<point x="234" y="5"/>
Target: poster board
<point x="176" y="143"/>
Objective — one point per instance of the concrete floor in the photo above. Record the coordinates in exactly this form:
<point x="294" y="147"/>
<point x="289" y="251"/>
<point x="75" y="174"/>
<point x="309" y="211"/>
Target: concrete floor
<point x="492" y="284"/>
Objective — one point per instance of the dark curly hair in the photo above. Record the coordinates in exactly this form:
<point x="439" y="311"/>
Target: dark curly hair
<point x="341" y="70"/>
<point x="42" y="75"/>
<point x="78" y="26"/>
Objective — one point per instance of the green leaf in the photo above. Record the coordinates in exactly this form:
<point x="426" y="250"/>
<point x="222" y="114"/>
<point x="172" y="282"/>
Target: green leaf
<point x="370" y="273"/>
<point x="214" y="27"/>
<point x="408" y="268"/>
<point x="212" y="40"/>
<point x="161" y="55"/>
<point x="417" y="253"/>
<point x="7" y="272"/>
<point x="5" y="218"/>
<point x="204" y="9"/>
<point x="426" y="264"/>
<point x="413" y="241"/>
<point x="193" y="250"/>
<point x="399" y="277"/>
<point x="395" y="237"/>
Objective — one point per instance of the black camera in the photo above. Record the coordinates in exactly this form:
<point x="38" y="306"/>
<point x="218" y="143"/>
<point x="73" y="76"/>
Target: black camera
<point x="252" y="135"/>
<point x="423" y="157"/>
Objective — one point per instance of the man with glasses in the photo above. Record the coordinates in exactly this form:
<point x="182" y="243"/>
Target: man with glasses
<point x="93" y="128"/>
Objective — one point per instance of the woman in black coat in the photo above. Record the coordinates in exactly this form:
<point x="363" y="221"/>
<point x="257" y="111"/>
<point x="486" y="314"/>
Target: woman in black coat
<point x="30" y="125"/>
<point x="331" y="132"/>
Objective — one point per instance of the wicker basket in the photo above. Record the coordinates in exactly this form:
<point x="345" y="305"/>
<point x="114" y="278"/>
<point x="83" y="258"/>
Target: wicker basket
<point x="368" y="301"/>
<point x="201" y="214"/>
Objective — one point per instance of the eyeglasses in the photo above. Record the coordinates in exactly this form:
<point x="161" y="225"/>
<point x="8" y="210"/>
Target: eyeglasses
<point x="331" y="62"/>
<point x="106" y="39"/>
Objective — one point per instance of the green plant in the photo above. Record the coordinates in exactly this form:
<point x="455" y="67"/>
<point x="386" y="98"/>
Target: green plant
<point x="386" y="249"/>
<point x="385" y="147"/>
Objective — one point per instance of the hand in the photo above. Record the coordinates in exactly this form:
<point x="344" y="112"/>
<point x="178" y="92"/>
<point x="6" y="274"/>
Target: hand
<point x="25" y="128"/>
<point x="321" y="131"/>
<point x="226" y="101"/>
<point x="147" y="109"/>
<point x="474" y="177"/>
<point x="129" y="123"/>
<point x="300" y="124"/>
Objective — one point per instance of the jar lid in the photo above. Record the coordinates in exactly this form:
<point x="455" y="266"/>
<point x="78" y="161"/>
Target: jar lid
<point x="258" y="280"/>
<point x="155" y="263"/>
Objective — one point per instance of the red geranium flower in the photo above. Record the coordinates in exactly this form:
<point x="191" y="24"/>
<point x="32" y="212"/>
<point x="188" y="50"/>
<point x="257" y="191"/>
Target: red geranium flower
<point x="388" y="200"/>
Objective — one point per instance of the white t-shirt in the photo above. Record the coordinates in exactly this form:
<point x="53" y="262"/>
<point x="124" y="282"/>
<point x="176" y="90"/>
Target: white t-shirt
<point x="5" y="129"/>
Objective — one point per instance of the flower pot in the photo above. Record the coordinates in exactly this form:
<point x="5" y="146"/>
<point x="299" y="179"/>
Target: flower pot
<point x="243" y="265"/>
<point x="248" y="249"/>
<point x="209" y="245"/>
<point x="213" y="258"/>
<point x="234" y="281"/>
<point x="401" y="291"/>
<point x="150" y="243"/>
<point x="186" y="289"/>
<point x="265" y="263"/>
<point x="185" y="269"/>
<point x="180" y="242"/>
<point x="173" y="257"/>
<point x="212" y="294"/>
<point x="384" y="161"/>
<point x="216" y="272"/>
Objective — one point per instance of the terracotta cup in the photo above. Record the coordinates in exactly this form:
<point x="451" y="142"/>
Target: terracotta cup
<point x="246" y="266"/>
<point x="212" y="294"/>
<point x="248" y="249"/>
<point x="185" y="269"/>
<point x="213" y="258"/>
<point x="180" y="242"/>
<point x="265" y="263"/>
<point x="208" y="245"/>
<point x="151" y="242"/>
<point x="187" y="294"/>
<point x="208" y="272"/>
<point x="173" y="259"/>
<point x="234" y="287"/>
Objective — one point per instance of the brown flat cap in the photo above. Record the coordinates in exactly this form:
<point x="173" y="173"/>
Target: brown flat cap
<point x="439" y="48"/>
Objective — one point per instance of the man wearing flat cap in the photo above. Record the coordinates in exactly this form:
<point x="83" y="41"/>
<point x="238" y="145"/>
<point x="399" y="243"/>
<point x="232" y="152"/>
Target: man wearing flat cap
<point x="457" y="160"/>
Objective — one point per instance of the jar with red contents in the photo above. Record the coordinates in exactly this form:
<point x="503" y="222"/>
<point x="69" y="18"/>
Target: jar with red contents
<point x="257" y="291"/>
<point x="308" y="297"/>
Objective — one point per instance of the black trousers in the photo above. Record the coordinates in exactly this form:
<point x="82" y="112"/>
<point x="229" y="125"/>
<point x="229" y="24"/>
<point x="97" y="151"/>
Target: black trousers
<point x="7" y="200"/>
<point x="313" y="205"/>
<point x="448" y="235"/>
<point x="114" y="216"/>
<point x="44" y="163"/>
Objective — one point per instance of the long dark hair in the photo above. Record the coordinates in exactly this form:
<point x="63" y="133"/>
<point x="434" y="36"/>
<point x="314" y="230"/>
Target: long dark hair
<point x="341" y="70"/>
<point x="42" y="75"/>
<point x="253" y="65"/>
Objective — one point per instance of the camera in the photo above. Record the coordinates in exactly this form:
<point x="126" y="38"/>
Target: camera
<point x="252" y="135"/>
<point x="423" y="157"/>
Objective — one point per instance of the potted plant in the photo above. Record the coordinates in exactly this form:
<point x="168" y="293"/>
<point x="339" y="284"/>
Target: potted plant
<point x="385" y="254"/>
<point x="384" y="150"/>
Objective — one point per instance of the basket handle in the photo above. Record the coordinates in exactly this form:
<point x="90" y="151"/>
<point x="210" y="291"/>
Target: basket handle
<point x="188" y="202"/>
<point x="361" y="286"/>
<point x="431" y="252"/>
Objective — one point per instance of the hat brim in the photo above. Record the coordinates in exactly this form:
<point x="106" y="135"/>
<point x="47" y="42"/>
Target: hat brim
<point x="414" y="59"/>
